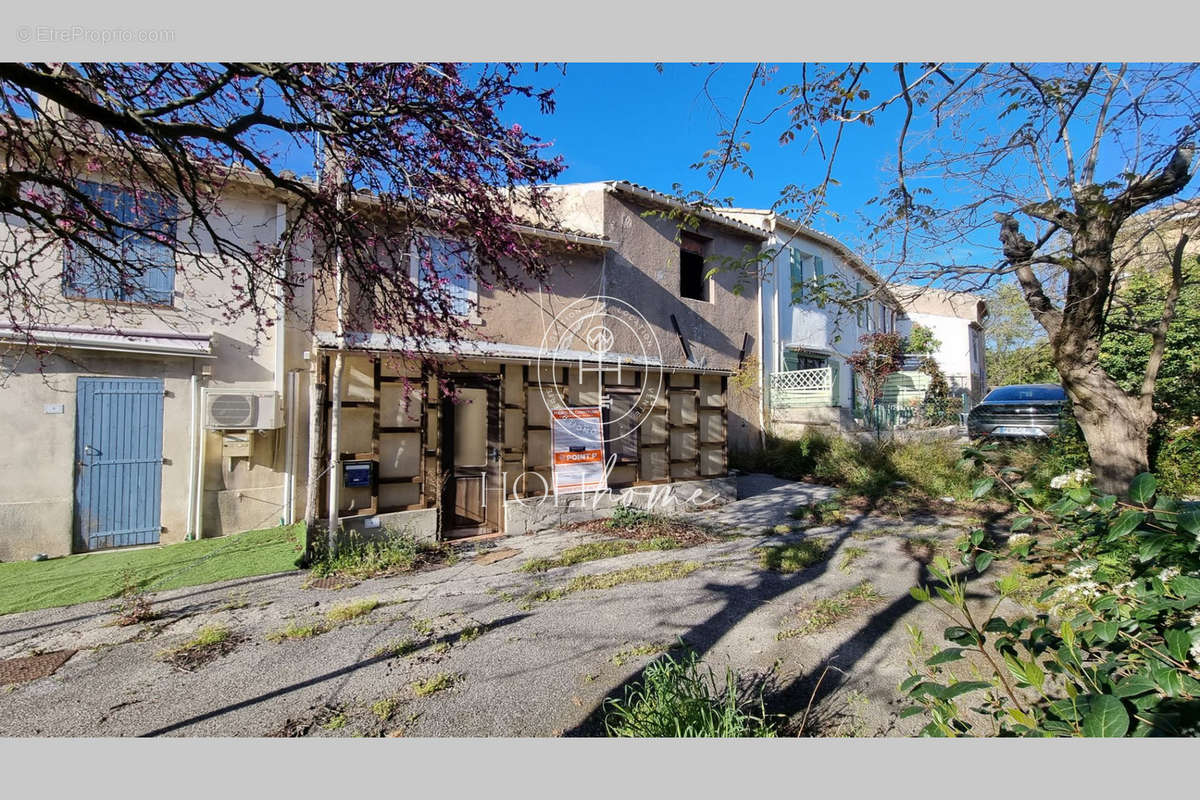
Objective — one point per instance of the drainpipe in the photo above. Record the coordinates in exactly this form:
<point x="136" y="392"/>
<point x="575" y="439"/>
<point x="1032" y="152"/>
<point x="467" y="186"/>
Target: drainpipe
<point x="281" y="392"/>
<point x="289" y="474"/>
<point x="192" y="453"/>
<point x="335" y="392"/>
<point x="199" y="532"/>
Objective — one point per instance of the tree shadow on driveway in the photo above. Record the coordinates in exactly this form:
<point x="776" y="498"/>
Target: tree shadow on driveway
<point x="811" y="688"/>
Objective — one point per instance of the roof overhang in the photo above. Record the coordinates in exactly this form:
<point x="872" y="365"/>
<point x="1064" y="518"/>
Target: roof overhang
<point x="157" y="343"/>
<point x="497" y="351"/>
<point x="658" y="199"/>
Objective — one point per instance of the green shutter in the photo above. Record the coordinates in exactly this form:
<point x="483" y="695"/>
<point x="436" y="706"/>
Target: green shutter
<point x="858" y="309"/>
<point x="797" y="276"/>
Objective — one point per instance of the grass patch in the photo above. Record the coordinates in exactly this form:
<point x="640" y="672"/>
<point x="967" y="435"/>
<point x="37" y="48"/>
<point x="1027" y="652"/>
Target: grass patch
<point x="651" y="649"/>
<point x="675" y="699"/>
<point x="29" y="585"/>
<point x="649" y="573"/>
<point x="209" y="642"/>
<point x="867" y="536"/>
<point x="595" y="551"/>
<point x="849" y="556"/>
<point x="793" y="557"/>
<point x="353" y="610"/>
<point x="385" y="708"/>
<point x="295" y="630"/>
<point x="336" y="722"/>
<point x="472" y="632"/>
<point x="400" y="647"/>
<point x="438" y="683"/>
<point x="829" y="611"/>
<point x="778" y="530"/>
<point x="390" y="553"/>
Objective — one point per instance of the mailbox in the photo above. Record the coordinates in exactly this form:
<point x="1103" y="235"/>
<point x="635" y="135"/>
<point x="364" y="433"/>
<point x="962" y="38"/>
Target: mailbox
<point x="356" y="473"/>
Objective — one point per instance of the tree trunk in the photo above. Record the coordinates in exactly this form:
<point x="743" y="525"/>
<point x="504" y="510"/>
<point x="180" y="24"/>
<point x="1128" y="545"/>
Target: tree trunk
<point x="1115" y="424"/>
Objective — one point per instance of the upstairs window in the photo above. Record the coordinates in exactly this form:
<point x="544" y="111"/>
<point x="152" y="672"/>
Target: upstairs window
<point x="446" y="262"/>
<point x="692" y="283"/>
<point x="134" y="257"/>
<point x="797" y="270"/>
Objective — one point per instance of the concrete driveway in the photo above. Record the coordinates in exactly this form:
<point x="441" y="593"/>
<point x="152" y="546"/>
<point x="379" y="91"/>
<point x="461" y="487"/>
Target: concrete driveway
<point x="503" y="664"/>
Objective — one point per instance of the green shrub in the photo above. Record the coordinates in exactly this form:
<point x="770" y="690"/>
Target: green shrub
<point x="864" y="468"/>
<point x="674" y="699"/>
<point x="1115" y="649"/>
<point x="1177" y="462"/>
<point x="359" y="556"/>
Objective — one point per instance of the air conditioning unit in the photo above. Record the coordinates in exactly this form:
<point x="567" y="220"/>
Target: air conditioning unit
<point x="241" y="410"/>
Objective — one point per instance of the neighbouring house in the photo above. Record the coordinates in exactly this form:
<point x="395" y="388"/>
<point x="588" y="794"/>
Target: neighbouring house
<point x="806" y="335"/>
<point x="956" y="320"/>
<point x="113" y="413"/>
<point x="144" y="415"/>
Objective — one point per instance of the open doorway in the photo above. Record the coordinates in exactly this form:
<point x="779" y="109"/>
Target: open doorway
<point x="473" y="494"/>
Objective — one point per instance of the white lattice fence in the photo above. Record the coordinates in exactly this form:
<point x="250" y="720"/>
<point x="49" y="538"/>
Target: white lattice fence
<point x="802" y="387"/>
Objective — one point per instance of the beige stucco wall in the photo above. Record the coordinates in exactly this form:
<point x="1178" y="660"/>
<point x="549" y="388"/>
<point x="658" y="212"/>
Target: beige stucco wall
<point x="37" y="463"/>
<point x="37" y="471"/>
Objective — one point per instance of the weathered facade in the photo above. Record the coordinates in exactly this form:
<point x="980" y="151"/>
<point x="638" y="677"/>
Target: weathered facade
<point x="105" y="415"/>
<point x="483" y="463"/>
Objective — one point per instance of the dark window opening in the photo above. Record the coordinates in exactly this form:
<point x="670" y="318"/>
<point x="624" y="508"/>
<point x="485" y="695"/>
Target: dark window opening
<point x="621" y="420"/>
<point x="692" y="283"/>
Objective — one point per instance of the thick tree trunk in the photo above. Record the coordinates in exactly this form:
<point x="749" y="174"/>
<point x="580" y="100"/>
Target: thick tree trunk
<point x="1115" y="424"/>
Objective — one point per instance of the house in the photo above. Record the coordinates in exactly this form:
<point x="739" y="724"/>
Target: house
<point x="632" y="325"/>
<point x="144" y="414"/>
<point x="807" y="334"/>
<point x="113" y="396"/>
<point x="956" y="320"/>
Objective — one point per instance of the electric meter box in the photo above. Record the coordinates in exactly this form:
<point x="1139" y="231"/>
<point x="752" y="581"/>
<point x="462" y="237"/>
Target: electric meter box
<point x="356" y="473"/>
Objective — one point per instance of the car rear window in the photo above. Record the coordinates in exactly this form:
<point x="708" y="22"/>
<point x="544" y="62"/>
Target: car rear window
<point x="1011" y="394"/>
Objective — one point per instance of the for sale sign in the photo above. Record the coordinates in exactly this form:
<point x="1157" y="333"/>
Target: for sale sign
<point x="577" y="444"/>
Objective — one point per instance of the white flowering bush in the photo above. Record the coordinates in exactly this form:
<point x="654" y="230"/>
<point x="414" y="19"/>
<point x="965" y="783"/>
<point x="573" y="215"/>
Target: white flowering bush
<point x="1075" y="479"/>
<point x="1116" y="653"/>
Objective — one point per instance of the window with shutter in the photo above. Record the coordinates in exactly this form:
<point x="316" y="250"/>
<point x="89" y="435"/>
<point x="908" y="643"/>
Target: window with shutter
<point x="446" y="263"/>
<point x="132" y="258"/>
<point x="797" y="264"/>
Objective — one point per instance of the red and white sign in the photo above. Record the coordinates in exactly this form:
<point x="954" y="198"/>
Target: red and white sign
<point x="577" y="446"/>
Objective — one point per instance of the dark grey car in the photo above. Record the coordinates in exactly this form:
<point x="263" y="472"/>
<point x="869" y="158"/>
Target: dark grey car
<point x="1023" y="411"/>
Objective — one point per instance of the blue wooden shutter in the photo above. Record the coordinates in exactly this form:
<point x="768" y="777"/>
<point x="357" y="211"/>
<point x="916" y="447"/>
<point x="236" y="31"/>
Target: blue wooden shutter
<point x="151" y="257"/>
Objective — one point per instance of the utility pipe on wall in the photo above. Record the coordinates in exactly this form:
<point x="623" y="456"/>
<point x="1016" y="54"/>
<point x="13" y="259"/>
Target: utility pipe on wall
<point x="193" y="437"/>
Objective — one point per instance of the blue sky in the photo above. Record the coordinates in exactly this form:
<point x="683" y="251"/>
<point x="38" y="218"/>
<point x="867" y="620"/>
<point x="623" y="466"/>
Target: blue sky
<point x="632" y="122"/>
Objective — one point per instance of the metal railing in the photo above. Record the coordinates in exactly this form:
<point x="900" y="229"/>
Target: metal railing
<point x="803" y="387"/>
